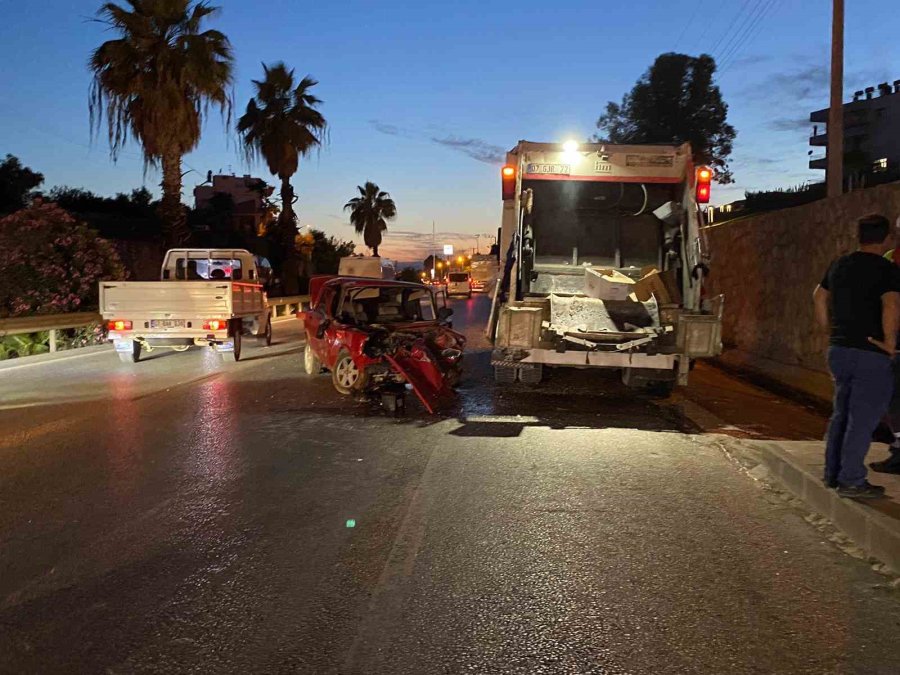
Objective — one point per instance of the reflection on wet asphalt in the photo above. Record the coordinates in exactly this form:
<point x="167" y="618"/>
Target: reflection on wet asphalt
<point x="188" y="514"/>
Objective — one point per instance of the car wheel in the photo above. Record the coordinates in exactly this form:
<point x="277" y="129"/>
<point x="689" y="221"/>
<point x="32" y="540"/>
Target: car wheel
<point x="311" y="363"/>
<point x="346" y="375"/>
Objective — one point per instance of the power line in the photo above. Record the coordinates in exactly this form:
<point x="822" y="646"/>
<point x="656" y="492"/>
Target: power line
<point x="725" y="33"/>
<point x="728" y="46"/>
<point x="688" y="24"/>
<point x="750" y="35"/>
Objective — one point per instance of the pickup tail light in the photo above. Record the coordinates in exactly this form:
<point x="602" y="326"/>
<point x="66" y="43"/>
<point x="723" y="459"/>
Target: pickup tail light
<point x="215" y="324"/>
<point x="118" y="324"/>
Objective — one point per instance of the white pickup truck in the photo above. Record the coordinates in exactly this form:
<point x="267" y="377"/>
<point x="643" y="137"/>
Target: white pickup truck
<point x="206" y="297"/>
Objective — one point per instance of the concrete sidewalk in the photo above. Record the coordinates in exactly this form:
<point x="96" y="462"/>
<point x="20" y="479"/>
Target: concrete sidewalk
<point x="874" y="525"/>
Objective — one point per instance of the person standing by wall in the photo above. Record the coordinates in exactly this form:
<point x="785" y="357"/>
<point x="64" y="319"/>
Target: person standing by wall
<point x="858" y="301"/>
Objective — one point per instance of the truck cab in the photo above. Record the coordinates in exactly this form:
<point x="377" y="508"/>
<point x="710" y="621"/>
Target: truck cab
<point x="602" y="263"/>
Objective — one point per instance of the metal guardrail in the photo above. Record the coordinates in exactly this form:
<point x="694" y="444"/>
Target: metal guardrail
<point x="54" y="322"/>
<point x="288" y="304"/>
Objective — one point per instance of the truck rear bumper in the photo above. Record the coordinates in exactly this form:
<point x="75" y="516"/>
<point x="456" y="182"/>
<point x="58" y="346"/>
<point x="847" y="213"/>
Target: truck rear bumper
<point x="584" y="359"/>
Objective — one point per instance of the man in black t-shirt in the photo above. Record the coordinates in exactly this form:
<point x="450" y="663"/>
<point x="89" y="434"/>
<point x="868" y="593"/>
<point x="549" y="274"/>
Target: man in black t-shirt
<point x="858" y="300"/>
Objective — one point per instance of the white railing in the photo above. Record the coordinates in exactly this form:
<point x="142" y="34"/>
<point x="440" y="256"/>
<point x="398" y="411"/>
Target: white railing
<point x="53" y="322"/>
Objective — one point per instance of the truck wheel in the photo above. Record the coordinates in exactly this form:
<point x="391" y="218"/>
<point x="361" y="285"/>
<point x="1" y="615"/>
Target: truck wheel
<point x="659" y="388"/>
<point x="236" y="330"/>
<point x="266" y="335"/>
<point x="311" y="364"/>
<point x="132" y="357"/>
<point x="505" y="374"/>
<point x="532" y="375"/>
<point x="346" y="375"/>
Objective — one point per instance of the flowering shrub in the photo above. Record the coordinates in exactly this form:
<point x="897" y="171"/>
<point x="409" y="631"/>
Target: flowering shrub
<point x="50" y="263"/>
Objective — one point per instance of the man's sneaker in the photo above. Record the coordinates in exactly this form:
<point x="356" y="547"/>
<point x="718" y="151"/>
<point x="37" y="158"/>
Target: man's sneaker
<point x="863" y="491"/>
<point x="830" y="483"/>
<point x="891" y="465"/>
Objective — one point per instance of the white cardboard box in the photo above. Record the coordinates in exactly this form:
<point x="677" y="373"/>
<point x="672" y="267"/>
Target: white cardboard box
<point x="607" y="284"/>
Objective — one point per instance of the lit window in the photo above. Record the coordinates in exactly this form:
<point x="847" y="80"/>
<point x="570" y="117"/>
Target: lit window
<point x="881" y="164"/>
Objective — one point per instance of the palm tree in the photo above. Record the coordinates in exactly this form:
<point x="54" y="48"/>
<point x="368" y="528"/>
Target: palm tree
<point x="155" y="83"/>
<point x="370" y="212"/>
<point x="280" y="126"/>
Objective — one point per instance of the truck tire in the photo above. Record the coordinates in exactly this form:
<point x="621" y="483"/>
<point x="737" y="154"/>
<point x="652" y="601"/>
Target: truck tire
<point x="346" y="376"/>
<point x="266" y="335"/>
<point x="659" y="388"/>
<point x="134" y="356"/>
<point x="504" y="374"/>
<point x="532" y="375"/>
<point x="311" y="364"/>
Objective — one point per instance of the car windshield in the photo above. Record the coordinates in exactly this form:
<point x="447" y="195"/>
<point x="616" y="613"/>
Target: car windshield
<point x="387" y="304"/>
<point x="459" y="276"/>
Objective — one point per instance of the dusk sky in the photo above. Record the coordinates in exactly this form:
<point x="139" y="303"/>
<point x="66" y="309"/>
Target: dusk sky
<point x="425" y="98"/>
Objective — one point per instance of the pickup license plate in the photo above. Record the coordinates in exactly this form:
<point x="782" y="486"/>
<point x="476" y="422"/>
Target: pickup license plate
<point x="167" y="323"/>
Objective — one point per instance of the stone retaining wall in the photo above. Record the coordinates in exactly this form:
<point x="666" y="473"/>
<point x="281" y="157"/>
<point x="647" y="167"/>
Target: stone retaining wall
<point x="768" y="265"/>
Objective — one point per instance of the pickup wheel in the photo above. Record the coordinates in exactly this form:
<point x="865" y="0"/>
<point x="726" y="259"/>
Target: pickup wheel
<point x="135" y="354"/>
<point x="266" y="335"/>
<point x="237" y="344"/>
<point x="346" y="375"/>
<point x="311" y="364"/>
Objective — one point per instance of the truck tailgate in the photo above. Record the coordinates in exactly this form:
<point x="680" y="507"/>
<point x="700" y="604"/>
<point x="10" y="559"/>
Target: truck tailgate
<point x="178" y="299"/>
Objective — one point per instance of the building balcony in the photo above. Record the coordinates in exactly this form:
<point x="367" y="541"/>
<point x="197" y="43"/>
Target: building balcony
<point x="819" y="163"/>
<point x="819" y="140"/>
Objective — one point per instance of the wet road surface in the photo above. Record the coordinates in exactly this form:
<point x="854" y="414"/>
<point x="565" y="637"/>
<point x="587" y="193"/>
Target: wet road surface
<point x="189" y="515"/>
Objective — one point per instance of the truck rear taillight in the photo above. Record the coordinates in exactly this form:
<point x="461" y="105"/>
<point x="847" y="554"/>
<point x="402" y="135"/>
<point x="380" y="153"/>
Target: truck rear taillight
<point x="508" y="176"/>
<point x="215" y="324"/>
<point x="119" y="324"/>
<point x="704" y="178"/>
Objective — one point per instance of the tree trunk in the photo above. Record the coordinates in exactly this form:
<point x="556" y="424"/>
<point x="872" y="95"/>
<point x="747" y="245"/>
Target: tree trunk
<point x="171" y="211"/>
<point x="287" y="232"/>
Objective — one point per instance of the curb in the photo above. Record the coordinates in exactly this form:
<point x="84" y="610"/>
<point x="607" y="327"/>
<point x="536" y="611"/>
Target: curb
<point x="38" y="359"/>
<point x="877" y="534"/>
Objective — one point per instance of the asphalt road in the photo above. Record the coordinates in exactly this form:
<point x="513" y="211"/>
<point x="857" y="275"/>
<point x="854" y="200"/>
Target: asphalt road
<point x="189" y="515"/>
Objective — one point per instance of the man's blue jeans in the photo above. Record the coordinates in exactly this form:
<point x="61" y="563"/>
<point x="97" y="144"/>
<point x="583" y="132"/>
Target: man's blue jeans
<point x="863" y="384"/>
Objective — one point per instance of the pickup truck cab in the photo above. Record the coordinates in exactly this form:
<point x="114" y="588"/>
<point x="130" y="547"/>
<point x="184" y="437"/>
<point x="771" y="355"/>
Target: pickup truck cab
<point x="205" y="297"/>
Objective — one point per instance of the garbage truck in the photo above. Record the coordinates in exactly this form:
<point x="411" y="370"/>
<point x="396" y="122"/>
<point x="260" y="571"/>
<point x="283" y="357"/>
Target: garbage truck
<point x="602" y="264"/>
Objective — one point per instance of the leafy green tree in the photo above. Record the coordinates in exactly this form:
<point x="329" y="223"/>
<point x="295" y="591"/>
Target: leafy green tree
<point x="675" y="101"/>
<point x="155" y="83"/>
<point x="51" y="262"/>
<point x="370" y="212"/>
<point x="281" y="125"/>
<point x="16" y="183"/>
<point x="328" y="251"/>
<point x="408" y="274"/>
<point x="125" y="216"/>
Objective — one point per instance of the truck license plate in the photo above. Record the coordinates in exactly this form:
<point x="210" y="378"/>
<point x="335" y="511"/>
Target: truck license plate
<point x="167" y="323"/>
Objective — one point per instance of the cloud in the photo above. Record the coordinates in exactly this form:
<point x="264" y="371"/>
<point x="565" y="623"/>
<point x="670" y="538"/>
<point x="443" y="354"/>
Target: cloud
<point x="408" y="245"/>
<point x="750" y="60"/>
<point x="386" y="128"/>
<point x="475" y="148"/>
<point x="789" y="124"/>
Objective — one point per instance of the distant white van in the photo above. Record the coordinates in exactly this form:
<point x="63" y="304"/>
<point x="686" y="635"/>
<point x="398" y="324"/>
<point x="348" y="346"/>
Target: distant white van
<point x="459" y="283"/>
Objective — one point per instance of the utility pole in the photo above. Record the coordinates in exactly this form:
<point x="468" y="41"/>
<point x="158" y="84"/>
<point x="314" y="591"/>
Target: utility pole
<point x="835" y="175"/>
<point x="433" y="251"/>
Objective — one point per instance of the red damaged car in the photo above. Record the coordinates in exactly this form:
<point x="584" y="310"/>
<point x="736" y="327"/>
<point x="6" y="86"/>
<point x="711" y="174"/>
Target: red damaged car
<point x="375" y="336"/>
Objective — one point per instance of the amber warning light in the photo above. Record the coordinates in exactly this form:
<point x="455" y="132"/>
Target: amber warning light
<point x="119" y="324"/>
<point x="704" y="178"/>
<point x="508" y="174"/>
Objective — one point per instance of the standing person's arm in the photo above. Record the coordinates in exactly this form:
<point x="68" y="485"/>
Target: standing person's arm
<point x="822" y="302"/>
<point x="890" y="322"/>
